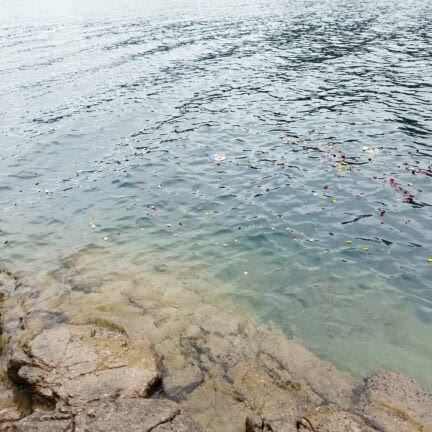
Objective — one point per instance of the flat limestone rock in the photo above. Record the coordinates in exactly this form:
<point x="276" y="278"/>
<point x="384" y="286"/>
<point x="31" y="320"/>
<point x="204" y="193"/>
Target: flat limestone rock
<point x="134" y="415"/>
<point x="41" y="422"/>
<point x="75" y="364"/>
<point x="395" y="402"/>
<point x="332" y="421"/>
<point x="279" y="426"/>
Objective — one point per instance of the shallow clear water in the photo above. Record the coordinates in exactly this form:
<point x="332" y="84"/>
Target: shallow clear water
<point x="110" y="111"/>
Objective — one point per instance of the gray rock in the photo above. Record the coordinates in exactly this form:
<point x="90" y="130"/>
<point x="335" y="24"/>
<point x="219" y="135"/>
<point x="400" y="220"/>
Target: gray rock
<point x="394" y="402"/>
<point x="279" y="426"/>
<point x="134" y="415"/>
<point x="42" y="422"/>
<point x="332" y="421"/>
<point x="137" y="415"/>
<point x="75" y="364"/>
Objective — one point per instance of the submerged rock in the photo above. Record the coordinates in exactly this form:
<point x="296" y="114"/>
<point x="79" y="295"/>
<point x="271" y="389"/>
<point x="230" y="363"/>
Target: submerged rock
<point x="244" y="371"/>
<point x="178" y="382"/>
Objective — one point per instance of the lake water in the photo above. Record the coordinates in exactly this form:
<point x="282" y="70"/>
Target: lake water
<point x="319" y="218"/>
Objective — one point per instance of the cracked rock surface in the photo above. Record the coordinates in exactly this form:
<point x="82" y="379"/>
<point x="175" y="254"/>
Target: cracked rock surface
<point x="42" y="422"/>
<point x="132" y="415"/>
<point x="74" y="365"/>
<point x="89" y="378"/>
<point x="143" y="415"/>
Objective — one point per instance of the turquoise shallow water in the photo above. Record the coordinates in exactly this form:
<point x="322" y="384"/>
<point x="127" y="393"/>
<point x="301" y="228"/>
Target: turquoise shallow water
<point x="320" y="214"/>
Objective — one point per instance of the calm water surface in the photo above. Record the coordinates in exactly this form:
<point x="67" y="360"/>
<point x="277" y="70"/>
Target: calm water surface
<point x="320" y="215"/>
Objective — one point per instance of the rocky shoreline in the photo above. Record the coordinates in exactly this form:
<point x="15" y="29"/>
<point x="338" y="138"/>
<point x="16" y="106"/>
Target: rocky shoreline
<point x="209" y="372"/>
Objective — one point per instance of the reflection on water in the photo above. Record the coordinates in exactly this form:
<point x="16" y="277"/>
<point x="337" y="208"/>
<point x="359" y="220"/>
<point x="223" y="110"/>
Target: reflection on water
<point x="319" y="218"/>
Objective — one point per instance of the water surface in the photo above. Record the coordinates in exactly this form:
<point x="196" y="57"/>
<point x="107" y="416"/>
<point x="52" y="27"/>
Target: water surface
<point x="319" y="216"/>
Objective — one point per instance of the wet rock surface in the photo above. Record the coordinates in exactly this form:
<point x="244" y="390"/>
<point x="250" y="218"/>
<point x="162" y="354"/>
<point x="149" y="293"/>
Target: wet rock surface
<point x="248" y="372"/>
<point x="245" y="371"/>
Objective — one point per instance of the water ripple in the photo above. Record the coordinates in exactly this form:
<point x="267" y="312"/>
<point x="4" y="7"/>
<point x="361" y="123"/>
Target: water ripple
<point x="108" y="115"/>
